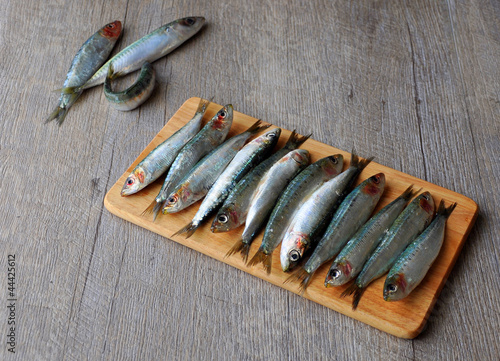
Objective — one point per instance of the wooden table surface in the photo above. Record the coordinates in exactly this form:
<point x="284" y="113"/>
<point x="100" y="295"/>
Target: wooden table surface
<point x="415" y="84"/>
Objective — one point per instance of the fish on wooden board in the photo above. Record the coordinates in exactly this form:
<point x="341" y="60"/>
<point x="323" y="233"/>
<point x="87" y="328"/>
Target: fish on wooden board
<point x="290" y="201"/>
<point x="161" y="158"/>
<point x="246" y="159"/>
<point x="414" y="263"/>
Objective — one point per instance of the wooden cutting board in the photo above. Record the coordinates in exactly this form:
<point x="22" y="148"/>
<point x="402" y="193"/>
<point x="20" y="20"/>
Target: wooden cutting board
<point x="404" y="318"/>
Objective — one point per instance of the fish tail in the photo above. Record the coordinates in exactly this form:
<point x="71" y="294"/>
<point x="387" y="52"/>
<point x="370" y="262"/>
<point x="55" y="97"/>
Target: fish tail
<point x="153" y="208"/>
<point x="257" y="127"/>
<point x="408" y="193"/>
<point x="356" y="291"/>
<point x="241" y="247"/>
<point x="261" y="257"/>
<point x="60" y="112"/>
<point x="203" y="105"/>
<point x="295" y="140"/>
<point x="445" y="211"/>
<point x="302" y="276"/>
<point x="359" y="163"/>
<point x="190" y="228"/>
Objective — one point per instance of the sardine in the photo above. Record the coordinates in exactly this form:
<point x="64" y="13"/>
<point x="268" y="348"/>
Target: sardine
<point x="159" y="159"/>
<point x="195" y="185"/>
<point x="234" y="210"/>
<point x="247" y="158"/>
<point x="352" y="213"/>
<point x="134" y="95"/>
<point x="149" y="48"/>
<point x="89" y="58"/>
<point x="409" y="224"/>
<point x="353" y="256"/>
<point x="312" y="217"/>
<point x="412" y="265"/>
<point x="266" y="194"/>
<point x="207" y="139"/>
<point x="290" y="201"/>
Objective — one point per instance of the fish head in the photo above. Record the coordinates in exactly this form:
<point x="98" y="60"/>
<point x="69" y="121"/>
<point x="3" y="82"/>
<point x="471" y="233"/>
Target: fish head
<point x="187" y="26"/>
<point x="338" y="274"/>
<point x="375" y="184"/>
<point x="270" y="137"/>
<point x="176" y="201"/>
<point x="223" y="120"/>
<point x="301" y="156"/>
<point x="395" y="287"/>
<point x="134" y="182"/>
<point x="225" y="220"/>
<point x="112" y="30"/>
<point x="331" y="165"/>
<point x="426" y="202"/>
<point x="299" y="243"/>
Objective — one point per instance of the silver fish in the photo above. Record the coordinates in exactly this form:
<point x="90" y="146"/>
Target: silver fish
<point x="159" y="159"/>
<point x="412" y="265"/>
<point x="247" y="158"/>
<point x="149" y="48"/>
<point x="266" y="194"/>
<point x="207" y="139"/>
<point x="89" y="58"/>
<point x="353" y="256"/>
<point x="409" y="224"/>
<point x="290" y="201"/>
<point x="134" y="95"/>
<point x="195" y="185"/>
<point x="312" y="217"/>
<point x="234" y="210"/>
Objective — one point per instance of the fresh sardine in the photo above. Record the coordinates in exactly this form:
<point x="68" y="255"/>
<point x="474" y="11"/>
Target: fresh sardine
<point x="200" y="179"/>
<point x="290" y="201"/>
<point x="353" y="256"/>
<point x="409" y="224"/>
<point x="234" y="210"/>
<point x="312" y="217"/>
<point x="412" y="265"/>
<point x="266" y="194"/>
<point x="134" y="95"/>
<point x="89" y="58"/>
<point x="246" y="159"/>
<point x="159" y="159"/>
<point x="207" y="139"/>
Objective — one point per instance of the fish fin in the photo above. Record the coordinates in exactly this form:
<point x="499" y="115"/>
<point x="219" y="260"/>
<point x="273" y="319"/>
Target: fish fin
<point x="356" y="291"/>
<point x="240" y="247"/>
<point x="445" y="211"/>
<point x="203" y="105"/>
<point x="153" y="208"/>
<point x="60" y="113"/>
<point x="71" y="90"/>
<point x="190" y="228"/>
<point x="257" y="127"/>
<point x="359" y="163"/>
<point x="295" y="140"/>
<point x="408" y="193"/>
<point x="303" y="277"/>
<point x="261" y="257"/>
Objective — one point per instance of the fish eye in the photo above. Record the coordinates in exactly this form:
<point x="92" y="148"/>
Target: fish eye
<point x="392" y="287"/>
<point x="294" y="255"/>
<point x="335" y="273"/>
<point x="335" y="160"/>
<point x="110" y="26"/>
<point x="222" y="114"/>
<point x="271" y="135"/>
<point x="425" y="196"/>
<point x="190" y="21"/>
<point x="130" y="181"/>
<point x="376" y="179"/>
<point x="172" y="200"/>
<point x="222" y="218"/>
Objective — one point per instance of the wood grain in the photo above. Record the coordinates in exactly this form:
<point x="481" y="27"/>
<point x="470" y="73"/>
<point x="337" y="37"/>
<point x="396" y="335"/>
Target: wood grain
<point x="413" y="83"/>
<point x="403" y="319"/>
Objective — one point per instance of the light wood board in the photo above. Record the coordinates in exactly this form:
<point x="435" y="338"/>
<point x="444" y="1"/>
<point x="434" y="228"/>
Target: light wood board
<point x="404" y="318"/>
